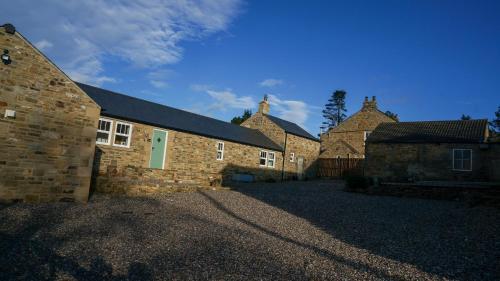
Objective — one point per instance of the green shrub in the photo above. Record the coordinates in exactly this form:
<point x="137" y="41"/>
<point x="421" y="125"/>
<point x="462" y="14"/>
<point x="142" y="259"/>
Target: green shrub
<point x="356" y="182"/>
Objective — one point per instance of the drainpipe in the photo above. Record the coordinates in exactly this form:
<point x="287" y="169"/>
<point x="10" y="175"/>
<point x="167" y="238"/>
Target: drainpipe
<point x="284" y="155"/>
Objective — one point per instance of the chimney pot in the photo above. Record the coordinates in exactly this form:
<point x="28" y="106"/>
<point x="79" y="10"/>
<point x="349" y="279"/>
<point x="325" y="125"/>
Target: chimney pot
<point x="366" y="99"/>
<point x="264" y="106"/>
<point x="373" y="98"/>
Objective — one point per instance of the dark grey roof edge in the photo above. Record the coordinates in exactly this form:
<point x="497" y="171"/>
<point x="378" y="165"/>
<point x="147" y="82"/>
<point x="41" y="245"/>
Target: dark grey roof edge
<point x="437" y="121"/>
<point x="307" y="135"/>
<point x="482" y="139"/>
<point x="312" y="138"/>
<point x="103" y="113"/>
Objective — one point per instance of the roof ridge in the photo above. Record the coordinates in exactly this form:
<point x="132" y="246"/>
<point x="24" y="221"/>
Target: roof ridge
<point x="436" y="121"/>
<point x="155" y="103"/>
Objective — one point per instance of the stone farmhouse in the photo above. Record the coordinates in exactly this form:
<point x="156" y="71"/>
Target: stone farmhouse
<point x="347" y="140"/>
<point x="433" y="150"/>
<point x="57" y="135"/>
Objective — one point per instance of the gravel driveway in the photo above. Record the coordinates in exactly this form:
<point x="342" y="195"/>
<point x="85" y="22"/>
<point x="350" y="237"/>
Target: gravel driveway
<point x="291" y="231"/>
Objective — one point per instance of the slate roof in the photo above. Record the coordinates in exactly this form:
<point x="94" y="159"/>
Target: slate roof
<point x="291" y="128"/>
<point x="141" y="111"/>
<point x="457" y="131"/>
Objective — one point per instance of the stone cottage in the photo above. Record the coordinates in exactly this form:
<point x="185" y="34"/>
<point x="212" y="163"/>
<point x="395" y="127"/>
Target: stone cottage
<point x="145" y="145"/>
<point x="432" y="150"/>
<point x="300" y="149"/>
<point x="347" y="140"/>
<point x="47" y="127"/>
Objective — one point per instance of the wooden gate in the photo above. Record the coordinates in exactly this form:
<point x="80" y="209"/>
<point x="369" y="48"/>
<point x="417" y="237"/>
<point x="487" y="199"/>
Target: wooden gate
<point x="339" y="167"/>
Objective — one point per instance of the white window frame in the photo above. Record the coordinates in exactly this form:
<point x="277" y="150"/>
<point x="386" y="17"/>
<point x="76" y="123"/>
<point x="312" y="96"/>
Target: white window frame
<point x="220" y="150"/>
<point x="269" y="153"/>
<point x="129" y="139"/>
<point x="110" y="132"/>
<point x="453" y="159"/>
<point x="366" y="134"/>
<point x="267" y="157"/>
<point x="292" y="157"/>
<point x="263" y="157"/>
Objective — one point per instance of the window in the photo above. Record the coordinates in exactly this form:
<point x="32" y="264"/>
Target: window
<point x="122" y="134"/>
<point x="366" y="134"/>
<point x="271" y="159"/>
<point x="104" y="131"/>
<point x="462" y="159"/>
<point x="292" y="157"/>
<point x="220" y="150"/>
<point x="267" y="159"/>
<point x="263" y="158"/>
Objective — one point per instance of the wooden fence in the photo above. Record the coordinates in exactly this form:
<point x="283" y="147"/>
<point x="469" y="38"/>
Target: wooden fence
<point x="339" y="167"/>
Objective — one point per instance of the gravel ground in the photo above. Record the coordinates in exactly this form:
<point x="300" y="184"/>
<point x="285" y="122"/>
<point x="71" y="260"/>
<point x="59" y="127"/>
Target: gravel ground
<point x="291" y="231"/>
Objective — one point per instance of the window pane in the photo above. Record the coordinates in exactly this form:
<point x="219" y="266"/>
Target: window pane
<point x="263" y="154"/>
<point x="467" y="164"/>
<point x="262" y="161"/>
<point x="121" y="140"/>
<point x="219" y="155"/>
<point x="457" y="164"/>
<point x="270" y="163"/>
<point x="466" y="154"/>
<point x="102" y="137"/>
<point x="104" y="125"/>
<point x="457" y="154"/>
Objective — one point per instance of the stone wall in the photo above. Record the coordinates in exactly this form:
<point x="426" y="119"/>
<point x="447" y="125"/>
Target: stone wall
<point x="301" y="147"/>
<point x="260" y="122"/>
<point x="403" y="162"/>
<point x="348" y="138"/>
<point x="190" y="161"/>
<point x="46" y="150"/>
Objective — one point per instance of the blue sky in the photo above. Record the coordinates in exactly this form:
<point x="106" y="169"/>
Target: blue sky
<point x="424" y="60"/>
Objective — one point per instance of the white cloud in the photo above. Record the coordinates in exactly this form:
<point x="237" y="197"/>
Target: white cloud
<point x="271" y="83"/>
<point x="144" y="33"/>
<point x="199" y="87"/>
<point x="158" y="78"/>
<point x="228" y="100"/>
<point x="291" y="110"/>
<point x="43" y="45"/>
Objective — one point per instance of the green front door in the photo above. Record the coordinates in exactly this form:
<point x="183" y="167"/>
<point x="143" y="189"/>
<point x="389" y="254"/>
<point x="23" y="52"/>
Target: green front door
<point x="158" y="149"/>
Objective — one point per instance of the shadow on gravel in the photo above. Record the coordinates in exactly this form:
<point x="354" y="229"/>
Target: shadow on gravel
<point x="351" y="263"/>
<point x="440" y="238"/>
<point x="27" y="254"/>
<point x="128" y="239"/>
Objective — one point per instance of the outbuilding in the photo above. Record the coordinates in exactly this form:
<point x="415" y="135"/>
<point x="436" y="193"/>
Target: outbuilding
<point x="457" y="150"/>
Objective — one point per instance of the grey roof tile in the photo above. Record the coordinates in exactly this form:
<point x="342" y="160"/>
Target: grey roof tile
<point x="291" y="128"/>
<point x="455" y="131"/>
<point x="141" y="111"/>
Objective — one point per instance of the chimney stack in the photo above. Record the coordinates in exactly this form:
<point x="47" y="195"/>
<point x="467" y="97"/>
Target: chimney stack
<point x="370" y="105"/>
<point x="264" y="106"/>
